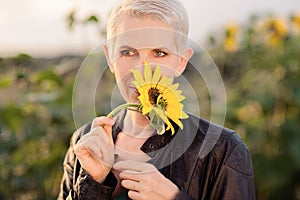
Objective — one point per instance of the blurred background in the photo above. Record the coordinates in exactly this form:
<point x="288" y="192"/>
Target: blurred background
<point x="255" y="44"/>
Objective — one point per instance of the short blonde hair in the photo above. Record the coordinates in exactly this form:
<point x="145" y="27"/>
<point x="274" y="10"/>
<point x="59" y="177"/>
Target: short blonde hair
<point x="171" y="12"/>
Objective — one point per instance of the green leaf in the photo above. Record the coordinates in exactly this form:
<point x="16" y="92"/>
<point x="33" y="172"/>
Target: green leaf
<point x="156" y="122"/>
<point x="71" y="19"/>
<point x="92" y="18"/>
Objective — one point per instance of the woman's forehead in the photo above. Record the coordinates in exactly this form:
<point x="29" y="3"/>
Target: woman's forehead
<point x="146" y="38"/>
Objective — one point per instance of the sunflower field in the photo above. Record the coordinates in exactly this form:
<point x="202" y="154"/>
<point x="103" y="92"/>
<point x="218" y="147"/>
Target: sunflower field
<point x="260" y="64"/>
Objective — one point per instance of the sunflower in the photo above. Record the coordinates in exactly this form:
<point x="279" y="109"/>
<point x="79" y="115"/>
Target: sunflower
<point x="159" y="99"/>
<point x="276" y="31"/>
<point x="231" y="38"/>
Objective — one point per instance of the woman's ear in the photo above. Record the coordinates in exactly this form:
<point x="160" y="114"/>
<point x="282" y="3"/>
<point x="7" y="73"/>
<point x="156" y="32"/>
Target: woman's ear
<point x="184" y="59"/>
<point x="106" y="53"/>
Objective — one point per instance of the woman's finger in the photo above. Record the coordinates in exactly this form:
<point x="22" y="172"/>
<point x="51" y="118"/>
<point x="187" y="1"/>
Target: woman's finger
<point x="106" y="123"/>
<point x="102" y="121"/>
<point x="134" y="166"/>
<point x="98" y="133"/>
<point x="99" y="147"/>
<point x="132" y="175"/>
<point x="131" y="185"/>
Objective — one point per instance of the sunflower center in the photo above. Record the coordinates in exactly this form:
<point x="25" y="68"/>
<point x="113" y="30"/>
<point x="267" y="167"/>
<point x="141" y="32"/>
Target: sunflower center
<point x="155" y="98"/>
<point x="153" y="94"/>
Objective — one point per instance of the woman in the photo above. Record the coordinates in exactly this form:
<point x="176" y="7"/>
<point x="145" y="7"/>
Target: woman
<point x="122" y="157"/>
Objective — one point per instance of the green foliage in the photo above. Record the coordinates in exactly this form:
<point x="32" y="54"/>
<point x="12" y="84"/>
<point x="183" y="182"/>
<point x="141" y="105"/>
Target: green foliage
<point x="72" y="19"/>
<point x="92" y="18"/>
<point x="35" y="126"/>
<point x="22" y="58"/>
<point x="262" y="76"/>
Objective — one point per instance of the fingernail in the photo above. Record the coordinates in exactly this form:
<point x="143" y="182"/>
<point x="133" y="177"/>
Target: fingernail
<point x="111" y="121"/>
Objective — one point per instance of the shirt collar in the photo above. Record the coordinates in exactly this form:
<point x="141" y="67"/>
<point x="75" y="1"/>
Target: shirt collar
<point x="153" y="143"/>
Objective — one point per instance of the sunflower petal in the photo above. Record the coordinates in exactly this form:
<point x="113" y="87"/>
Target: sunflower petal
<point x="137" y="84"/>
<point x="184" y="115"/>
<point x="156" y="75"/>
<point x="180" y="98"/>
<point x="147" y="72"/>
<point x="165" y="81"/>
<point x="138" y="77"/>
<point x="178" y="122"/>
<point x="175" y="86"/>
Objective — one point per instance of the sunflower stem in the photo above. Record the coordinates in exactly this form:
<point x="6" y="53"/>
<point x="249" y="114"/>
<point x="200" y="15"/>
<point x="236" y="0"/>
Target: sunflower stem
<point x="120" y="107"/>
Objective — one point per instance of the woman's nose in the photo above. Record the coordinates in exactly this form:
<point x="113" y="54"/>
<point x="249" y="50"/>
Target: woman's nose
<point x="143" y="57"/>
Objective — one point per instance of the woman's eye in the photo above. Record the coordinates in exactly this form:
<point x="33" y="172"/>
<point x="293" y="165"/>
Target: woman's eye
<point x="128" y="52"/>
<point x="159" y="53"/>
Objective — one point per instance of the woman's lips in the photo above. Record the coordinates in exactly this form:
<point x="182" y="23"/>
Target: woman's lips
<point x="134" y="96"/>
<point x="137" y="92"/>
<point x="134" y="90"/>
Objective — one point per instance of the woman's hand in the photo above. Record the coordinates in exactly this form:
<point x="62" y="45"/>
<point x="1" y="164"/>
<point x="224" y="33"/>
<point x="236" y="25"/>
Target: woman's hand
<point x="144" y="181"/>
<point x="95" y="150"/>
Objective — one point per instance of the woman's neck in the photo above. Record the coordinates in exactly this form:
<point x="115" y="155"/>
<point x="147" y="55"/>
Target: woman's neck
<point x="135" y="124"/>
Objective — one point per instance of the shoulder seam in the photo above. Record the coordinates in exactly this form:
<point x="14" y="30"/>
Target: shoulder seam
<point x="234" y="146"/>
<point x="239" y="171"/>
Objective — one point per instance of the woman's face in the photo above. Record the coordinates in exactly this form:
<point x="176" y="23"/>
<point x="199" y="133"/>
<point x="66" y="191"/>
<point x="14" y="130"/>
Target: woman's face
<point x="143" y="40"/>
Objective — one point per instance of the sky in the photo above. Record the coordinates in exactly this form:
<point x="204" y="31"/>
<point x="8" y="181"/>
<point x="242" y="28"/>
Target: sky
<point x="39" y="27"/>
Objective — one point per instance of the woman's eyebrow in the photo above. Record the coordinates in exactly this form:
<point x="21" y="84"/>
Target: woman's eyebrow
<point x="161" y="48"/>
<point x="126" y="47"/>
<point x="152" y="48"/>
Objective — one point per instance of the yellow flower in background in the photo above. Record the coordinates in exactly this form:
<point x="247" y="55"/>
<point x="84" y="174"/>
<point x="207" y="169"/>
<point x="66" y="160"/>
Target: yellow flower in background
<point x="231" y="30"/>
<point x="231" y="44"/>
<point x="278" y="27"/>
<point x="159" y="99"/>
<point x="296" y="22"/>
<point x="277" y="30"/>
<point x="231" y="41"/>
